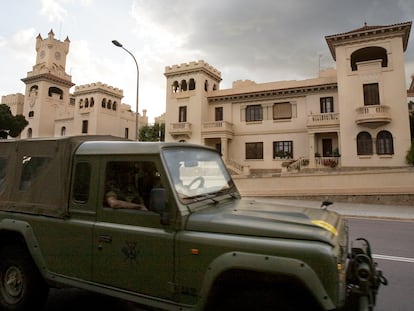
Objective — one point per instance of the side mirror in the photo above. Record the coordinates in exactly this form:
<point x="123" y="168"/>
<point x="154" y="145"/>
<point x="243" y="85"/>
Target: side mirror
<point x="158" y="204"/>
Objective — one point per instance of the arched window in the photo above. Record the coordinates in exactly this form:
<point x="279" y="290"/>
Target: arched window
<point x="114" y="106"/>
<point x="33" y="90"/>
<point x="63" y="131"/>
<point x="86" y="103"/>
<point x="214" y="87"/>
<point x="385" y="143"/>
<point x="31" y="114"/>
<point x="29" y="132"/>
<point x="104" y="103"/>
<point x="183" y="85"/>
<point x="109" y="104"/>
<point x="175" y="87"/>
<point x="191" y="84"/>
<point x="206" y="85"/>
<point x="369" y="53"/>
<point x="81" y="103"/>
<point x="364" y="144"/>
<point x="55" y="90"/>
<point x="92" y="102"/>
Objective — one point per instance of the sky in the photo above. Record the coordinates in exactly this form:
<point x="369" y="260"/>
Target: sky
<point x="259" y="40"/>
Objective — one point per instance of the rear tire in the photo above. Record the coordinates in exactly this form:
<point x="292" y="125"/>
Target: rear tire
<point x="21" y="285"/>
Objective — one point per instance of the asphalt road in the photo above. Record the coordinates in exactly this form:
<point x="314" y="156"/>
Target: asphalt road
<point x="392" y="244"/>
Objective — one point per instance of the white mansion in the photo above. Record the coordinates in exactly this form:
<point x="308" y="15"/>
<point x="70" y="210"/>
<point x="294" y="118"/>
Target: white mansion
<point x="53" y="111"/>
<point x="353" y="116"/>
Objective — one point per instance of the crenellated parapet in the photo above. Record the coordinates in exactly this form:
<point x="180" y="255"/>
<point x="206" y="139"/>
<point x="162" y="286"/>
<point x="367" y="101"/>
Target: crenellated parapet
<point x="98" y="87"/>
<point x="192" y="67"/>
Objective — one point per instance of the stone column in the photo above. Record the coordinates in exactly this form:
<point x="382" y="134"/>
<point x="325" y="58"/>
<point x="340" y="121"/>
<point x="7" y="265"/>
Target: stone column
<point x="312" y="150"/>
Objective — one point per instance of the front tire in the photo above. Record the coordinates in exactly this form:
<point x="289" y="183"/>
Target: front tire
<point x="21" y="285"/>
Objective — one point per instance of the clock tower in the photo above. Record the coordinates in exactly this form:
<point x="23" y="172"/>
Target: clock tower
<point x="47" y="87"/>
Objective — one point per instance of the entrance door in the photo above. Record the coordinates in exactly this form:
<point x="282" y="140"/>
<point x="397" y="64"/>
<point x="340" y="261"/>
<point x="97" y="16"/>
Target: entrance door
<point x="327" y="147"/>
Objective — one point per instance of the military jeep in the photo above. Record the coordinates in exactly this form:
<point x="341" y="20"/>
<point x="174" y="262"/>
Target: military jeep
<point x="195" y="245"/>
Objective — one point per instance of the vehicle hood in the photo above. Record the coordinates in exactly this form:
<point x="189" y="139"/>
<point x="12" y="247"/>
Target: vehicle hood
<point x="267" y="218"/>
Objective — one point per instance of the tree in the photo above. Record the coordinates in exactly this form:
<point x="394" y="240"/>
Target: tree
<point x="154" y="132"/>
<point x="10" y="125"/>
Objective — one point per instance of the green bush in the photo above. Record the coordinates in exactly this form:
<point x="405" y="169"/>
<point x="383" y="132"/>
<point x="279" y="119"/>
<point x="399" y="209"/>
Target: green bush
<point x="410" y="154"/>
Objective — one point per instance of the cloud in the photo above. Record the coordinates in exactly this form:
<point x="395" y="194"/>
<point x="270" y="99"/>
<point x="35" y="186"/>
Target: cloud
<point x="53" y="10"/>
<point x="21" y="43"/>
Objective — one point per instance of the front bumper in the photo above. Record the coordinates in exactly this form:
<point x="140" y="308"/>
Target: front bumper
<point x="363" y="277"/>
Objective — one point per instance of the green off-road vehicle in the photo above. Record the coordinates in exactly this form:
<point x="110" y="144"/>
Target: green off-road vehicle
<point x="163" y="225"/>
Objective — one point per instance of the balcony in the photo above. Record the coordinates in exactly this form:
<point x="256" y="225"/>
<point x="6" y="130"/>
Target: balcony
<point x="217" y="129"/>
<point x="323" y="120"/>
<point x="180" y="129"/>
<point x="373" y="116"/>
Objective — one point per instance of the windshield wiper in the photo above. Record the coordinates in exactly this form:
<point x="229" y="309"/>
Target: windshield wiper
<point x="202" y="197"/>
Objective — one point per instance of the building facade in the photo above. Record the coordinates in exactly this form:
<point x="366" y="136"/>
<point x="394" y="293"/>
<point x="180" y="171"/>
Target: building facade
<point x="52" y="111"/>
<point x="353" y="116"/>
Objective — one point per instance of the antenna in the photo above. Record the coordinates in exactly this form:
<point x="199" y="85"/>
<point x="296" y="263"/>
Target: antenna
<point x="60" y="30"/>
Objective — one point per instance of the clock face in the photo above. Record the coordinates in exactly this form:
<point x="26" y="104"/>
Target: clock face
<point x="42" y="54"/>
<point x="57" y="55"/>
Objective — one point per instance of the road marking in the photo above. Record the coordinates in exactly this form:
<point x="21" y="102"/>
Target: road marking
<point x="393" y="258"/>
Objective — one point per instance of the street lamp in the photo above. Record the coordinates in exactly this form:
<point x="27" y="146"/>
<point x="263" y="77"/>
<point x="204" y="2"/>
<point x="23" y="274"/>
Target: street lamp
<point x="116" y="43"/>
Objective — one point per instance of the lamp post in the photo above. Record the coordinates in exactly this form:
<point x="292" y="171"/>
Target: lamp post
<point x="116" y="43"/>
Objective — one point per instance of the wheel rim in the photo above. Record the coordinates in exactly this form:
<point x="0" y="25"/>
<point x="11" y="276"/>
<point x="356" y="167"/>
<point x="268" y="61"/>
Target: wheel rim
<point x="13" y="284"/>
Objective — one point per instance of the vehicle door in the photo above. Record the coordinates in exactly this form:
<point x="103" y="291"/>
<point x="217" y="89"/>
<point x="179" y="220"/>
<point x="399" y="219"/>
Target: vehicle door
<point x="132" y="249"/>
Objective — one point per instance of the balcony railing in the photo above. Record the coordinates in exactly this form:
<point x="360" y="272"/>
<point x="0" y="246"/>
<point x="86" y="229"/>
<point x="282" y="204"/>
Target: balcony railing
<point x="373" y="116"/>
<point x="180" y="129"/>
<point x="217" y="127"/>
<point x="323" y="119"/>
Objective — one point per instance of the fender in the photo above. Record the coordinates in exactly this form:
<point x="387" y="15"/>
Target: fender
<point x="266" y="264"/>
<point x="26" y="231"/>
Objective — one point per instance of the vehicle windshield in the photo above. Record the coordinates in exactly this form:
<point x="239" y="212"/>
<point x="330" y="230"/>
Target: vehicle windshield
<point x="197" y="174"/>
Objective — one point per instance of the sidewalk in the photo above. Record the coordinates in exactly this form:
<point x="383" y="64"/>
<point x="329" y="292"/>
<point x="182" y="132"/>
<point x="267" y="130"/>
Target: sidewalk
<point x="400" y="212"/>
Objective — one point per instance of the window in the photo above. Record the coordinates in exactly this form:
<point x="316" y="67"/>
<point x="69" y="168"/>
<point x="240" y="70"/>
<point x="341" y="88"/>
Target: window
<point x="183" y="85"/>
<point x="182" y="114"/>
<point x="326" y="104"/>
<point x="85" y="126"/>
<point x="371" y="94"/>
<point x="254" y="113"/>
<point x="29" y="132"/>
<point x="31" y="114"/>
<point x="104" y="103"/>
<point x="131" y="181"/>
<point x="55" y="90"/>
<point x="32" y="168"/>
<point x="283" y="149"/>
<point x="254" y="150"/>
<point x="218" y="114"/>
<point x="114" y="106"/>
<point x="126" y="133"/>
<point x="3" y="170"/>
<point x="191" y="84"/>
<point x="369" y="53"/>
<point x="175" y="87"/>
<point x="81" y="103"/>
<point x="86" y="102"/>
<point x="385" y="144"/>
<point x="92" y="102"/>
<point x="81" y="183"/>
<point x="206" y="85"/>
<point x="282" y="111"/>
<point x="63" y="131"/>
<point x="364" y="144"/>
